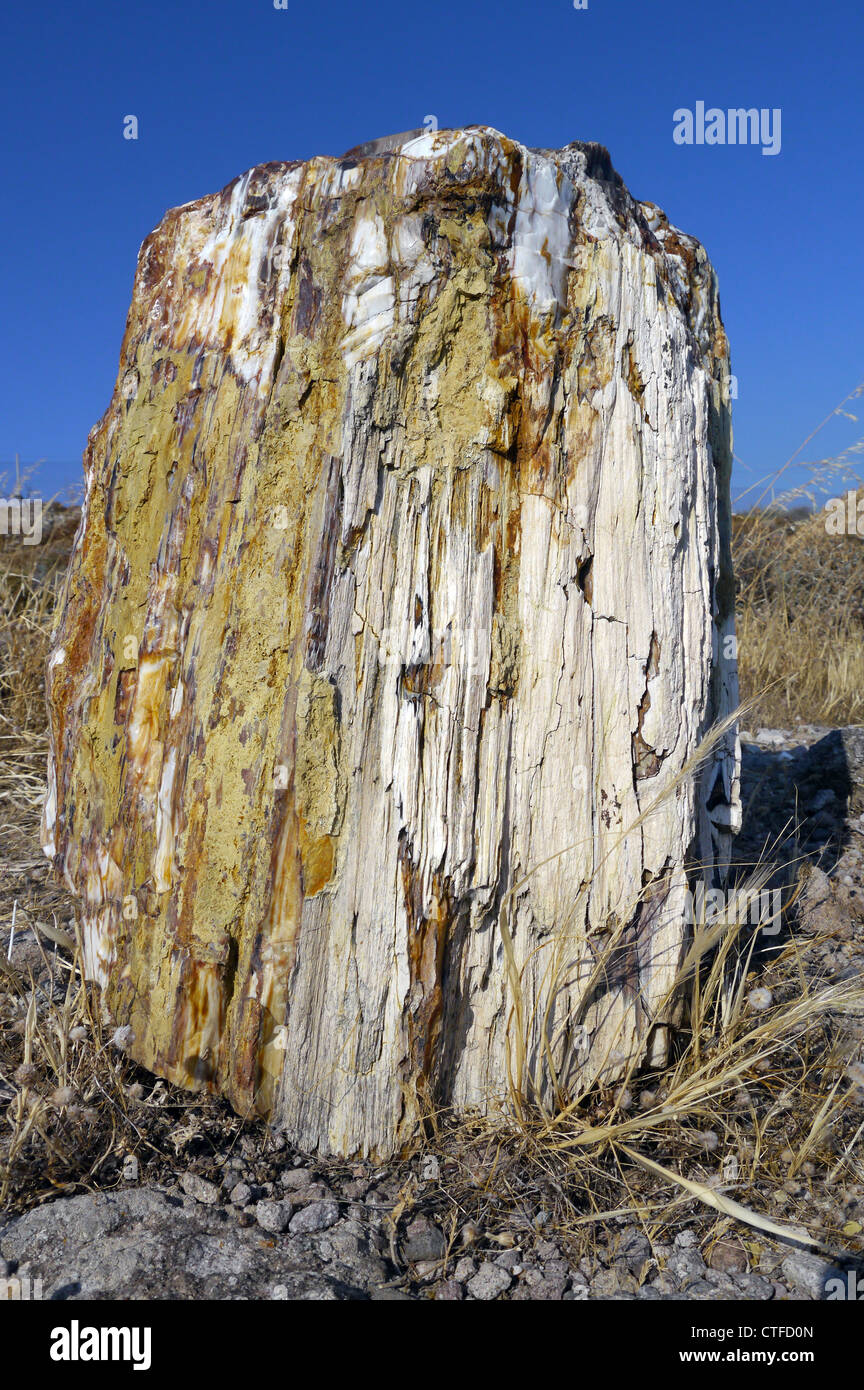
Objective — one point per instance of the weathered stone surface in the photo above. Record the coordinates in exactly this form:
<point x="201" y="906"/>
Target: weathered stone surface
<point x="142" y="1244"/>
<point x="403" y="573"/>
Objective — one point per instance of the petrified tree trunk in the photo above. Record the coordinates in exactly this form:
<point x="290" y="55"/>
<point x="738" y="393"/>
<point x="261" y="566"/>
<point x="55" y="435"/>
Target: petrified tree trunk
<point x="403" y="581"/>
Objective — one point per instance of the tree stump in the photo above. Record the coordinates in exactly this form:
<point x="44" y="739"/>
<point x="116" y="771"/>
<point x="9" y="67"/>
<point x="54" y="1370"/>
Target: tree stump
<point x="401" y="598"/>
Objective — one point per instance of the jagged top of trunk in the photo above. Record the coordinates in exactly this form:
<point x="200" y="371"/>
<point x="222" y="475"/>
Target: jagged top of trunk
<point x="557" y="198"/>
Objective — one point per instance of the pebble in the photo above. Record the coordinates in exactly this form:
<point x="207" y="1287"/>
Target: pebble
<point x="685" y="1240"/>
<point x="807" y="1272"/>
<point x="489" y="1282"/>
<point x="450" y="1291"/>
<point x="200" y="1189"/>
<point x="318" y="1216"/>
<point x="274" y="1216"/>
<point x="295" y="1178"/>
<point x="729" y="1257"/>
<point x="423" y="1241"/>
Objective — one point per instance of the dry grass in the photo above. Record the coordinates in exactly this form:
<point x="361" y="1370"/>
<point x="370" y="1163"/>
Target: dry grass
<point x="751" y="1096"/>
<point x="800" y="620"/>
<point x="800" y="605"/>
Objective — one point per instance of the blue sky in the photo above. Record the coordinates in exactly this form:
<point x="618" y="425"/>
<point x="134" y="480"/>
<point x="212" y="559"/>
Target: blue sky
<point x="223" y="85"/>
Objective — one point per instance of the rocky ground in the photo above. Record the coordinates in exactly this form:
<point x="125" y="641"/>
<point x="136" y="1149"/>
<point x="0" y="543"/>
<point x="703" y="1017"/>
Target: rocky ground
<point x="300" y="1236"/>
<point x="201" y="1205"/>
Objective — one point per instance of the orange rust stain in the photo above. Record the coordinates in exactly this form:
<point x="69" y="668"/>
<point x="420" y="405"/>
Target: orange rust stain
<point x="317" y="858"/>
<point x="632" y="375"/>
<point x="427" y="940"/>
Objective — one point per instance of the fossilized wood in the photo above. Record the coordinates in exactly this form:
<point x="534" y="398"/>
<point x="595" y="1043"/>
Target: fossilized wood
<point x="403" y="572"/>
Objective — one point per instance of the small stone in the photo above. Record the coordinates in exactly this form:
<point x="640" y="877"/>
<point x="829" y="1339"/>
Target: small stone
<point x="611" y="1281"/>
<point x="295" y="1178"/>
<point x="200" y="1189"/>
<point x="549" y="1290"/>
<point x="685" y="1240"/>
<point x="547" y="1250"/>
<point x="241" y="1195"/>
<point x="728" y="1257"/>
<point x="489" y="1282"/>
<point x="317" y="1216"/>
<point x="634" y="1249"/>
<point x="755" y="1286"/>
<point x="509" y="1259"/>
<point x="806" y="1272"/>
<point x="771" y="738"/>
<point x="450" y="1291"/>
<point x="274" y="1216"/>
<point x="423" y="1241"/>
<point x="465" y="1269"/>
